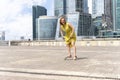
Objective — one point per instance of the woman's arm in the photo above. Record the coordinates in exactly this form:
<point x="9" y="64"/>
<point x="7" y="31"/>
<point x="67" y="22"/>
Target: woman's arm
<point x="72" y="29"/>
<point x="61" y="32"/>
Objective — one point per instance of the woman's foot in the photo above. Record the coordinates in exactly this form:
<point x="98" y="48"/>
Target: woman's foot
<point x="75" y="57"/>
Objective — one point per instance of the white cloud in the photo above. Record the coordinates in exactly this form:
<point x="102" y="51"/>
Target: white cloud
<point x="16" y="17"/>
<point x="21" y="27"/>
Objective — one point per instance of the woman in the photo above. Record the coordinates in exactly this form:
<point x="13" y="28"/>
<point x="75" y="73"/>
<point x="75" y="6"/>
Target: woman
<point x="70" y="36"/>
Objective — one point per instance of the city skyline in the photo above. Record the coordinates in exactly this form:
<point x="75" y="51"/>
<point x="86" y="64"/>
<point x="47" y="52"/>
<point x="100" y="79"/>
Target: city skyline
<point x="75" y="13"/>
<point x="16" y="19"/>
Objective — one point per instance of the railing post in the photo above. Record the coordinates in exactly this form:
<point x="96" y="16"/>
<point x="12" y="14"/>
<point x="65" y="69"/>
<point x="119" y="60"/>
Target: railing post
<point x="9" y="43"/>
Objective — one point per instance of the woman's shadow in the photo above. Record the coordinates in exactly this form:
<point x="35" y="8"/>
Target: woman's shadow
<point x="78" y="58"/>
<point x="81" y="58"/>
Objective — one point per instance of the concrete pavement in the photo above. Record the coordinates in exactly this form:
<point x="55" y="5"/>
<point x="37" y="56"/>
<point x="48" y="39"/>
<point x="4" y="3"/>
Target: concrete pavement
<point x="93" y="63"/>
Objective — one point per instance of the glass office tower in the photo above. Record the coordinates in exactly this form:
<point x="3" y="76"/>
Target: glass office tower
<point x="2" y="35"/>
<point x="76" y="12"/>
<point x="85" y="6"/>
<point x="70" y="6"/>
<point x="108" y="14"/>
<point x="46" y="27"/>
<point x="36" y="12"/>
<point x="116" y="15"/>
<point x="59" y="8"/>
<point x="97" y="8"/>
<point x="97" y="15"/>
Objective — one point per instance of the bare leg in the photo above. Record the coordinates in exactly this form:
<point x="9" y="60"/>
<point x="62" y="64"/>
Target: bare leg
<point x="74" y="47"/>
<point x="69" y="50"/>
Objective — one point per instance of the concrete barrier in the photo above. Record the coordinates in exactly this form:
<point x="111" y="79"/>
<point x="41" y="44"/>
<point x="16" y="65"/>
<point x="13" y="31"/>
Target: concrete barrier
<point x="62" y="43"/>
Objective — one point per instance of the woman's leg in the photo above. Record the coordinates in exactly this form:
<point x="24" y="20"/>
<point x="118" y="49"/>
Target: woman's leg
<point x="69" y="50"/>
<point x="74" y="47"/>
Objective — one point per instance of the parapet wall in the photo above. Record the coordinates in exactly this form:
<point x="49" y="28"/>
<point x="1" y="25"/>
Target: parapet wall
<point x="61" y="43"/>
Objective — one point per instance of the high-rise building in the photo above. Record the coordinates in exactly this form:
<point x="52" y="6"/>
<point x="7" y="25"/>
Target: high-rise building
<point x="2" y="35"/>
<point x="97" y="15"/>
<point x="46" y="27"/>
<point x="116" y="15"/>
<point x="108" y="14"/>
<point x="111" y="18"/>
<point x="36" y="12"/>
<point x="76" y="12"/>
<point x="59" y="8"/>
<point x="63" y="7"/>
<point x="85" y="6"/>
<point x="97" y="8"/>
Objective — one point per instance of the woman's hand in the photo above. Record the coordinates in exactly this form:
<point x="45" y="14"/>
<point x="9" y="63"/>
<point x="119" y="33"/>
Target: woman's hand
<point x="71" y="35"/>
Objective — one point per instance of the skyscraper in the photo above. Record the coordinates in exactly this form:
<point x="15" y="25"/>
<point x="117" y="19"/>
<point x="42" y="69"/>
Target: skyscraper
<point x="63" y="7"/>
<point x="76" y="12"/>
<point x="46" y="27"/>
<point x="108" y="14"/>
<point x="85" y="6"/>
<point x="97" y="8"/>
<point x="2" y="35"/>
<point x="116" y="15"/>
<point x="97" y="14"/>
<point x="36" y="12"/>
<point x="59" y="8"/>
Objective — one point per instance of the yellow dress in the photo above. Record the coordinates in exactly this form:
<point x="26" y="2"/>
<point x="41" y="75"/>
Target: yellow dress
<point x="68" y="31"/>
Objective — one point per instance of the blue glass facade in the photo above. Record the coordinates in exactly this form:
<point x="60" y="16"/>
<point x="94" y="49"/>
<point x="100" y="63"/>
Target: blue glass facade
<point x="116" y="15"/>
<point x="97" y="25"/>
<point x="46" y="28"/>
<point x="97" y="8"/>
<point x="70" y="6"/>
<point x="74" y="20"/>
<point x="85" y="6"/>
<point x="63" y="7"/>
<point x="2" y="35"/>
<point x="97" y="13"/>
<point x="59" y="7"/>
<point x="85" y="28"/>
<point x="76" y="12"/>
<point x="36" y="12"/>
<point x="108" y="14"/>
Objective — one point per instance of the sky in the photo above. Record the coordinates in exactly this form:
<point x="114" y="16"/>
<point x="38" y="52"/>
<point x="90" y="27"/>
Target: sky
<point x="16" y="16"/>
<point x="90" y="6"/>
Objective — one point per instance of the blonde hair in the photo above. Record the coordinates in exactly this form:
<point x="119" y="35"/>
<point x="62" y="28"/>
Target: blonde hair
<point x="61" y="19"/>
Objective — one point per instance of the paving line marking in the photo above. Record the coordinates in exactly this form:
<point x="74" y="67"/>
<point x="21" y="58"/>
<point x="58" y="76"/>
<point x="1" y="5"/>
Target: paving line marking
<point x="58" y="73"/>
